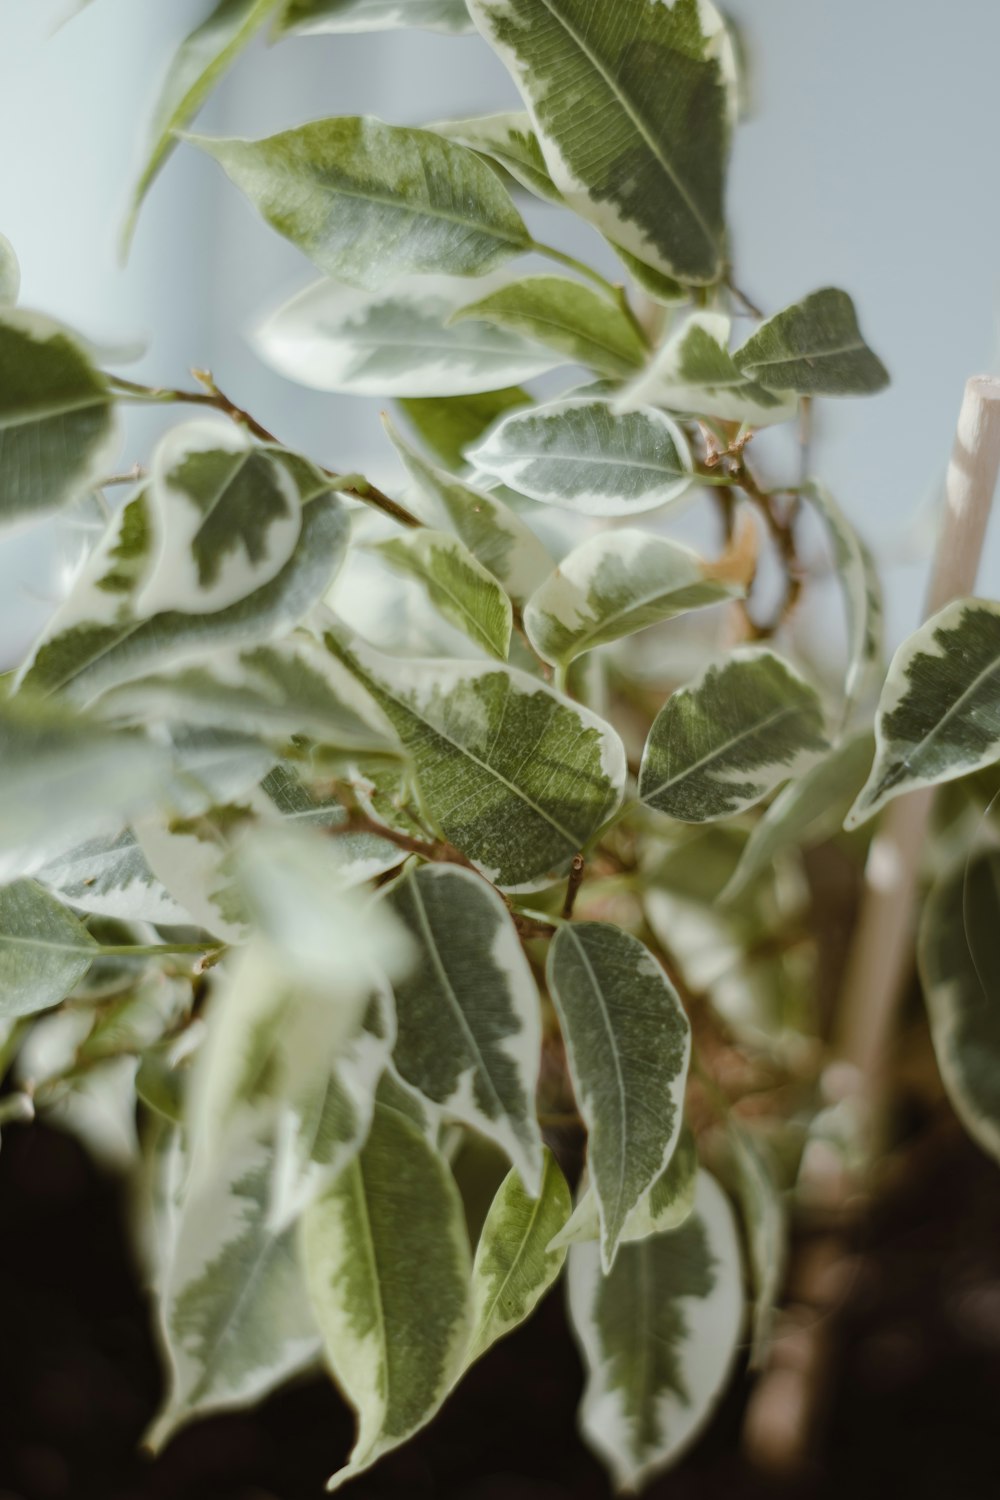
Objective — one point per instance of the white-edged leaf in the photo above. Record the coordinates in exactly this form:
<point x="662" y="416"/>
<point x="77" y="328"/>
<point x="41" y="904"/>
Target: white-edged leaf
<point x="397" y="341"/>
<point x="58" y="433"/>
<point x="10" y="273"/>
<point x="766" y="1224"/>
<point x="314" y="17"/>
<point x="564" y="315"/>
<point x="939" y="714"/>
<point x="93" y="652"/>
<point x="805" y="812"/>
<point x="658" y="1337"/>
<point x="108" y="874"/>
<point x="192" y="859"/>
<point x="663" y="1206"/>
<point x="628" y="1041"/>
<point x="197" y="66"/>
<point x="730" y="737"/>
<point x="362" y="856"/>
<point x="515" y="1263"/>
<point x="225" y="519"/>
<point x="235" y="1314"/>
<point x="44" y="950"/>
<point x="519" y="816"/>
<point x="458" y="586"/>
<point x="509" y="140"/>
<point x="693" y="371"/>
<point x="618" y="582"/>
<point x="613" y="91"/>
<point x="858" y="578"/>
<point x="394" y="1342"/>
<point x="581" y="454"/>
<point x="813" y="348"/>
<point x="367" y="202"/>
<point x="504" y="544"/>
<point x="469" y="1020"/>
<point x="957" y="953"/>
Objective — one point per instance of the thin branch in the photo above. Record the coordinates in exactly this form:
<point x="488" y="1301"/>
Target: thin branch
<point x="573" y="884"/>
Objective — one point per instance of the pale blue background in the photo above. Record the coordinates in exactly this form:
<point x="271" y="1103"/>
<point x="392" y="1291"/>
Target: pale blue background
<point x="869" y="162"/>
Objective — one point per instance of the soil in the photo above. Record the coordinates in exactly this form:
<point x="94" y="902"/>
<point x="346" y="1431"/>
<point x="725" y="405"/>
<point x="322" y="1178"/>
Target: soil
<point x="913" y="1411"/>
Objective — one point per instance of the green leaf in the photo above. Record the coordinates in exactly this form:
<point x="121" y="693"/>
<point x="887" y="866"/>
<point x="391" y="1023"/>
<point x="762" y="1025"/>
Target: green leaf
<point x="367" y="201"/>
<point x="663" y="1206"/>
<point x="198" y="65"/>
<point x="509" y="140"/>
<point x="94" y="643"/>
<point x="806" y="812"/>
<point x="449" y="424"/>
<point x="613" y="94"/>
<point x="939" y="714"/>
<point x="456" y="584"/>
<point x="235" y="1316"/>
<point x="628" y="1042"/>
<point x="767" y="1235"/>
<point x="581" y="454"/>
<point x="44" y="950"/>
<point x="66" y="777"/>
<point x="958" y="958"/>
<point x="388" y="1267"/>
<point x="225" y="518"/>
<point x="730" y="737"/>
<point x="694" y="372"/>
<point x="515" y="1264"/>
<point x="618" y="582"/>
<point x="58" y="435"/>
<point x="504" y="544"/>
<point x="395" y="342"/>
<point x="469" y="1017"/>
<point x="313" y="17"/>
<point x="519" y="816"/>
<point x="658" y="1337"/>
<point x="10" y="273"/>
<point x="858" y="577"/>
<point x="661" y="288"/>
<point x="567" y="316"/>
<point x="108" y="874"/>
<point x="814" y="348"/>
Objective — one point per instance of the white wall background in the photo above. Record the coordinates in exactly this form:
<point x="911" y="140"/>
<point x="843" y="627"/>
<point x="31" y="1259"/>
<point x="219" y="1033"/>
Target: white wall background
<point x="868" y="162"/>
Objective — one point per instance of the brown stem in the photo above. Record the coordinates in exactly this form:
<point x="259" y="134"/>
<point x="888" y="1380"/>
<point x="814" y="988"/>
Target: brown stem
<point x="573" y="884"/>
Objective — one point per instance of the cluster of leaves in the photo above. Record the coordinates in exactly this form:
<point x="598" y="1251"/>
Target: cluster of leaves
<point x="356" y="920"/>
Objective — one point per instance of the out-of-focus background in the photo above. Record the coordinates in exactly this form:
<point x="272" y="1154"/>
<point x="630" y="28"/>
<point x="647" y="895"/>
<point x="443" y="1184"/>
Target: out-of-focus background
<point x="867" y="162"/>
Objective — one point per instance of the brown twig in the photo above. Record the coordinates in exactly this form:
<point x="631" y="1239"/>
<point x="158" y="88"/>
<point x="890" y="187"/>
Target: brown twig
<point x="573" y="884"/>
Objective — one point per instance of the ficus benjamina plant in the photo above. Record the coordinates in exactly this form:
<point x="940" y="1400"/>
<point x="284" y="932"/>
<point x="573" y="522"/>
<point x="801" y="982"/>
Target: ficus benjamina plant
<point x="356" y="846"/>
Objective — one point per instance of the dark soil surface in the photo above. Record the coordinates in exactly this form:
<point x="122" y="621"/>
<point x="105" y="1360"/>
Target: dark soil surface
<point x="915" y="1410"/>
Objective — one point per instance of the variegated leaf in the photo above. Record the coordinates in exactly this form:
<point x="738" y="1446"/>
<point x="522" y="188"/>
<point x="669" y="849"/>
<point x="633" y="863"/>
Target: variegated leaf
<point x="663" y="1206"/>
<point x="312" y="17"/>
<point x="192" y="860"/>
<point x="813" y="348"/>
<point x="518" y="817"/>
<point x="618" y="582"/>
<point x="469" y="1017"/>
<point x="458" y="586"/>
<point x="368" y="202"/>
<point x="564" y="315"/>
<point x="398" y="341"/>
<point x="957" y="953"/>
<point x="362" y="856"/>
<point x="504" y="544"/>
<point x="447" y="425"/>
<point x="858" y="578"/>
<point x="766" y="1234"/>
<point x="44" y="950"/>
<point x="98" y="644"/>
<point x="515" y="1263"/>
<point x="10" y="273"/>
<point x="581" y="454"/>
<point x="395" y="1343"/>
<point x="939" y="714"/>
<point x="108" y="874"/>
<point x="730" y="737"/>
<point x="658" y="1337"/>
<point x="225" y="518"/>
<point x="628" y="1041"/>
<point x="58" y="434"/>
<point x="233" y="1305"/>
<point x="612" y="92"/>
<point x="693" y="371"/>
<point x="198" y="65"/>
<point x="509" y="140"/>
